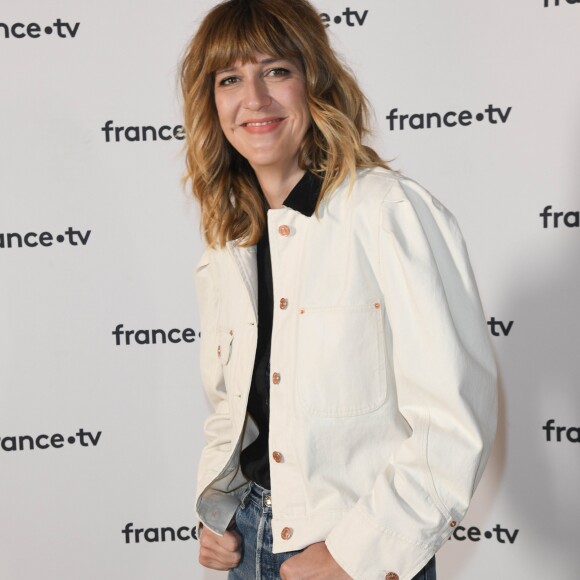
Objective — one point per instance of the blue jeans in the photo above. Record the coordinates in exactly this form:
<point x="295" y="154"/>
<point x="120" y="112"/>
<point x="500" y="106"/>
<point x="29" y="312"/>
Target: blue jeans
<point x="253" y="521"/>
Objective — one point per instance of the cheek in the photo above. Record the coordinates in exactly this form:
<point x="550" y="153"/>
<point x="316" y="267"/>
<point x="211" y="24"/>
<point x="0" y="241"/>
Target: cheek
<point x="293" y="96"/>
<point x="306" y="117"/>
<point x="223" y="112"/>
<point x="302" y="106"/>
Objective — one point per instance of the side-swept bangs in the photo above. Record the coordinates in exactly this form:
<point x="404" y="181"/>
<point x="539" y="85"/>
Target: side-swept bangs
<point x="238" y="31"/>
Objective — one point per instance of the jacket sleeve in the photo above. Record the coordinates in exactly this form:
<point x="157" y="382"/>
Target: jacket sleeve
<point x="445" y="388"/>
<point x="217" y="426"/>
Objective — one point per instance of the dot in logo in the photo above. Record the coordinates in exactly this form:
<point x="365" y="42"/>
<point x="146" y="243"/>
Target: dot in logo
<point x="487" y="535"/>
<point x="479" y="116"/>
<point x="71" y="439"/>
<point x="60" y="238"/>
<point x="337" y="19"/>
<point x="48" y="29"/>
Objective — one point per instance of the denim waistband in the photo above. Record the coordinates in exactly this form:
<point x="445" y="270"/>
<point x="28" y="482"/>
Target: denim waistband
<point x="259" y="496"/>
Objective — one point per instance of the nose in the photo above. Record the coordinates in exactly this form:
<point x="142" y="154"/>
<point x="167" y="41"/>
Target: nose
<point x="256" y="94"/>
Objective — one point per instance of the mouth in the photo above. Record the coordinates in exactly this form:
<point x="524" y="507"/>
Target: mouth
<point x="263" y="122"/>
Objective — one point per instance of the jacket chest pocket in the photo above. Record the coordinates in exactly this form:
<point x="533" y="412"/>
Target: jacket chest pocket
<point x="340" y="368"/>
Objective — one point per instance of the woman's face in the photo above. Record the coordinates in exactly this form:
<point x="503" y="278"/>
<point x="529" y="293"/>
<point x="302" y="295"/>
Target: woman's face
<point x="263" y="112"/>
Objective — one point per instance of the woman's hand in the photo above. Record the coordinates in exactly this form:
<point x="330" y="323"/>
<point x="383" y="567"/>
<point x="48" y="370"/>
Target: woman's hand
<point x="314" y="563"/>
<point x="220" y="552"/>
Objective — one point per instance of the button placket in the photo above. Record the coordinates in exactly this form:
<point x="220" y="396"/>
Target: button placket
<point x="284" y="230"/>
<point x="285" y="254"/>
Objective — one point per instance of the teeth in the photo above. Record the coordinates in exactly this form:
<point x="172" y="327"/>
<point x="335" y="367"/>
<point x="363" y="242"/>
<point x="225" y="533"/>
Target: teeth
<point x="262" y="123"/>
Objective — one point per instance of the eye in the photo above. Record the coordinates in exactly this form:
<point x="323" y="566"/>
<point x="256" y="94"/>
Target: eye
<point x="278" y="72"/>
<point x="227" y="81"/>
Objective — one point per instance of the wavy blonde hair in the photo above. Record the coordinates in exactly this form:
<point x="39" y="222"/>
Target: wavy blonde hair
<point x="232" y="205"/>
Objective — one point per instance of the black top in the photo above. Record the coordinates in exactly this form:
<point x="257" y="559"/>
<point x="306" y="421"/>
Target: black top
<point x="254" y="460"/>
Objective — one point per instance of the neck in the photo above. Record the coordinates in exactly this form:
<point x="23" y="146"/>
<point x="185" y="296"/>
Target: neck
<point x="276" y="185"/>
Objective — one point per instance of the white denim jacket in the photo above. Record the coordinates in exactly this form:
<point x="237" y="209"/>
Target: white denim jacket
<point x="383" y="382"/>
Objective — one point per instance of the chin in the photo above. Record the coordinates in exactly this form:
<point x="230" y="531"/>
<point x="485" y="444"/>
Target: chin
<point x="262" y="161"/>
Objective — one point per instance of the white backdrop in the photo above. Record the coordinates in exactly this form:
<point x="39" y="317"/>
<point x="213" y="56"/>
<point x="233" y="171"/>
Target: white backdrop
<point x="98" y="436"/>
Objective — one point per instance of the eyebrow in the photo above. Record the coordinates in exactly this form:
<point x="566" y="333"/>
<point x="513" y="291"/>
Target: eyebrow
<point x="268" y="60"/>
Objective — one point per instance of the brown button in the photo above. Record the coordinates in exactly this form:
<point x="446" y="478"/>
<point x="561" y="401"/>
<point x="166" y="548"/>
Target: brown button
<point x="286" y="534"/>
<point x="219" y="350"/>
<point x="301" y="311"/>
<point x="453" y="523"/>
<point x="276" y="378"/>
<point x="277" y="456"/>
<point x="284" y="230"/>
<point x="392" y="576"/>
<point x="283" y="303"/>
<point x="377" y="305"/>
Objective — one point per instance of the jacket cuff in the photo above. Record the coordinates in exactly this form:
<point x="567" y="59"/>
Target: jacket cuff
<point x="365" y="551"/>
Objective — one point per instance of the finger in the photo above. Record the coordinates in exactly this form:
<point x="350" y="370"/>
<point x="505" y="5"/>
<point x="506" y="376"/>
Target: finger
<point x="217" y="564"/>
<point x="218" y="558"/>
<point x="231" y="541"/>
<point x="220" y="552"/>
<point x="286" y="569"/>
<point x="210" y="539"/>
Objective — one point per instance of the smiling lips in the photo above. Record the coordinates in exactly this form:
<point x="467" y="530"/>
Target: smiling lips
<point x="262" y="125"/>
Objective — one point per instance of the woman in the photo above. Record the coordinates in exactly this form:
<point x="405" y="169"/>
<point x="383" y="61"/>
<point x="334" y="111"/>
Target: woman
<point x="344" y="348"/>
